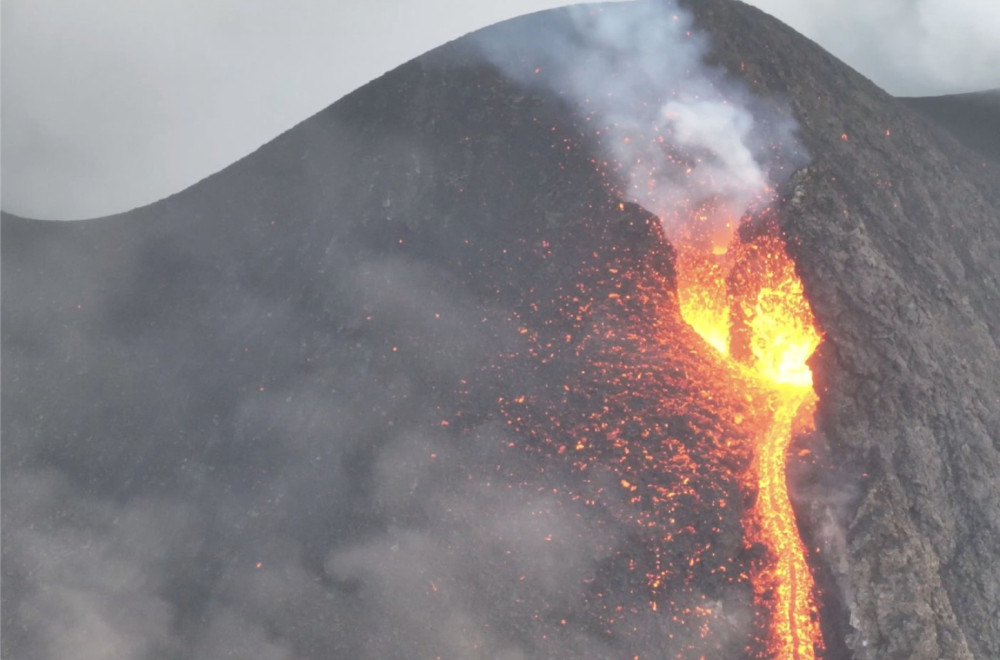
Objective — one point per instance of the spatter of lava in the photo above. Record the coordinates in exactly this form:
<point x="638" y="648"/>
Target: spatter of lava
<point x="678" y="442"/>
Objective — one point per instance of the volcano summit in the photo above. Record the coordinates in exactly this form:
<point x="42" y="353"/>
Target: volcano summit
<point x="506" y="355"/>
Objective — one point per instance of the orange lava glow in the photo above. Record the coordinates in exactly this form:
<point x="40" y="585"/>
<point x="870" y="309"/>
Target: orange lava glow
<point x="749" y="305"/>
<point x="673" y="447"/>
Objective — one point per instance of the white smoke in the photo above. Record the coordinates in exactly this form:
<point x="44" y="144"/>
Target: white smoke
<point x="686" y="141"/>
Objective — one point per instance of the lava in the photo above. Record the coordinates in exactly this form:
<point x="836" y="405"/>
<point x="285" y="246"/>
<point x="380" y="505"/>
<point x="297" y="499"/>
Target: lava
<point x="677" y="445"/>
<point x="750" y="306"/>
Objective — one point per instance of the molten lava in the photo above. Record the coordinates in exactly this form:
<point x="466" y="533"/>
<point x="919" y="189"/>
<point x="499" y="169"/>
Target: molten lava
<point x="637" y="424"/>
<point x="749" y="305"/>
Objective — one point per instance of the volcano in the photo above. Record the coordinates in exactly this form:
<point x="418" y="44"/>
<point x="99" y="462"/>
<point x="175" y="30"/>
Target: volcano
<point x="421" y="377"/>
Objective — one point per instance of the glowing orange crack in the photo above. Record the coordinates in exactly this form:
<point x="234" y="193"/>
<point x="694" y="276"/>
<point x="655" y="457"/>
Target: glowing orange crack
<point x="794" y="625"/>
<point x="750" y="302"/>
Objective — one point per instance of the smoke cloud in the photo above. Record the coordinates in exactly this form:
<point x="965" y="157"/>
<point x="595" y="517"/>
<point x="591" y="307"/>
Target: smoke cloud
<point x="681" y="138"/>
<point x="325" y="513"/>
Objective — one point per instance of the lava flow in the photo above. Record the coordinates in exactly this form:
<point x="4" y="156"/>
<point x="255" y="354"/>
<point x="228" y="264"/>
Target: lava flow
<point x="749" y="305"/>
<point x="674" y="448"/>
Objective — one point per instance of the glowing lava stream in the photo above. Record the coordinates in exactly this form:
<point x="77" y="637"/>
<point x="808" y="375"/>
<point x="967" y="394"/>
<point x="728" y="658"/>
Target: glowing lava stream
<point x="753" y="298"/>
<point x="794" y="625"/>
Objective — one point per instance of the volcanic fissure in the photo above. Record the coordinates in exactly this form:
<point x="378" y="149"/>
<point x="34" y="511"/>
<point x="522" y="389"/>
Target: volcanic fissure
<point x="682" y="380"/>
<point x="671" y="372"/>
<point x="747" y="302"/>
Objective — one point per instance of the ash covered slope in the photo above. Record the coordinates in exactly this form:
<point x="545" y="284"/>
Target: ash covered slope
<point x="896" y="231"/>
<point x="262" y="418"/>
<point x="973" y="118"/>
<point x="222" y="413"/>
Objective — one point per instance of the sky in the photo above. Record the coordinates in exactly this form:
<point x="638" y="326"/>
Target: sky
<point x="112" y="104"/>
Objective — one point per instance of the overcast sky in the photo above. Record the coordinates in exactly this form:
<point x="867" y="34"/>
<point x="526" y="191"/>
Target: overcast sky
<point x="112" y="104"/>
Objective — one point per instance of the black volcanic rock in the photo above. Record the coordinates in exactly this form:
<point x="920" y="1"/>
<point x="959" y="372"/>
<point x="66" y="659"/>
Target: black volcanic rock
<point x="294" y="410"/>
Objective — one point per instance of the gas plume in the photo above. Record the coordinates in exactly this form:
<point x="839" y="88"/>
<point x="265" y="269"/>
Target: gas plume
<point x="682" y="138"/>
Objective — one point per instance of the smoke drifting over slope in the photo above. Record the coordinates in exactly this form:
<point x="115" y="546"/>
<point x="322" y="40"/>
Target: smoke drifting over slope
<point x="309" y="503"/>
<point x="679" y="137"/>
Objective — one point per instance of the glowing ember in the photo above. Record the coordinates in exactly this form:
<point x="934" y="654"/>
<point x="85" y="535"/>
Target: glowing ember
<point x="758" y="315"/>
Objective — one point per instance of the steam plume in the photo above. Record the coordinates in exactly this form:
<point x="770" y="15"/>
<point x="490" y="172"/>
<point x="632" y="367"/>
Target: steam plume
<point x="683" y="139"/>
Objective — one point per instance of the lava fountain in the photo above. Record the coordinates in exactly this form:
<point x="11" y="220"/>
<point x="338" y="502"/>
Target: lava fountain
<point x="748" y="304"/>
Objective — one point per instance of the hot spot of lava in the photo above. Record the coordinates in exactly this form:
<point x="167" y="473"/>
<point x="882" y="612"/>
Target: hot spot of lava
<point x="749" y="304"/>
<point x="681" y="376"/>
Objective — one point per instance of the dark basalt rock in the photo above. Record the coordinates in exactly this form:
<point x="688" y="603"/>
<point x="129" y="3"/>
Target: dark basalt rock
<point x="262" y="414"/>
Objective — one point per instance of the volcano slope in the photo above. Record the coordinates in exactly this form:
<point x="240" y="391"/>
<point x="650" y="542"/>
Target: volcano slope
<point x="400" y="383"/>
<point x="973" y="118"/>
